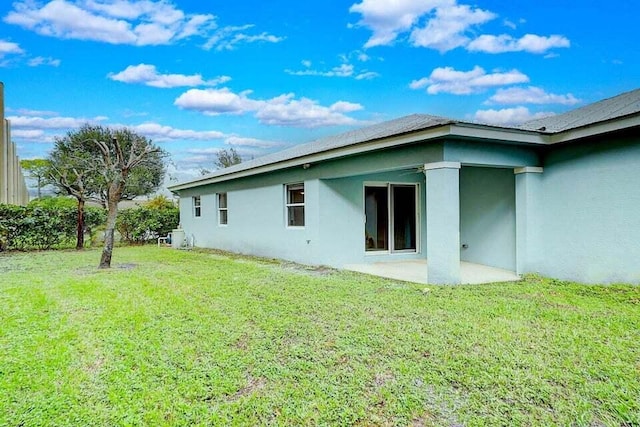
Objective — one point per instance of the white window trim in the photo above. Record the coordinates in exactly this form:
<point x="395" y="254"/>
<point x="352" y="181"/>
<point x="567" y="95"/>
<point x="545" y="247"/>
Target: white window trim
<point x="287" y="205"/>
<point x="220" y="224"/>
<point x="197" y="208"/>
<point x="389" y="185"/>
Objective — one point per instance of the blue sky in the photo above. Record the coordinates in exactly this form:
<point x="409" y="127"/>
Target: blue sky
<point x="197" y="76"/>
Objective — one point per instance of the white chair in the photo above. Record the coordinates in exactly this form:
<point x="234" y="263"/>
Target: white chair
<point x="166" y="240"/>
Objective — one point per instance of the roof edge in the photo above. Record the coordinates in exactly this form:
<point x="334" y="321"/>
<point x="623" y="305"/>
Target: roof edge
<point x="597" y="128"/>
<point x="366" y="146"/>
<point x="457" y="129"/>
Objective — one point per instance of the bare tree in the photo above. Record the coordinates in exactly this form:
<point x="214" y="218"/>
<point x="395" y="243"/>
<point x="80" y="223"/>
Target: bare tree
<point x="226" y="158"/>
<point x="105" y="165"/>
<point x="120" y="156"/>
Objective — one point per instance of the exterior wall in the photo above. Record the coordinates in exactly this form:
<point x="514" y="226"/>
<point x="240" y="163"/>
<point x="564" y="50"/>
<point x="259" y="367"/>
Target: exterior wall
<point x="342" y="220"/>
<point x="334" y="206"/>
<point x="256" y="223"/>
<point x="13" y="189"/>
<point x="334" y="220"/>
<point x="529" y="236"/>
<point x="488" y="217"/>
<point x="475" y="153"/>
<point x="589" y="212"/>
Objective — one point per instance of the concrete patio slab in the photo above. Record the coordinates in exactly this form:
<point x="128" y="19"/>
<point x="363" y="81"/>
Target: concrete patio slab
<point x="416" y="271"/>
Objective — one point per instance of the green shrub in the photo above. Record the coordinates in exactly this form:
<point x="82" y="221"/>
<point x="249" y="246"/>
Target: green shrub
<point x="43" y="226"/>
<point x="143" y="224"/>
<point x="54" y="202"/>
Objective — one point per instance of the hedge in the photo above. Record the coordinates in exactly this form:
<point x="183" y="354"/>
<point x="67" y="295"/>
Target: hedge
<point x="43" y="227"/>
<point x="144" y="224"/>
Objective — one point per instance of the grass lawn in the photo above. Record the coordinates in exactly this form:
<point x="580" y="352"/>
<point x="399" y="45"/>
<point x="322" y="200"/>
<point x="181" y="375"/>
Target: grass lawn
<point x="202" y="338"/>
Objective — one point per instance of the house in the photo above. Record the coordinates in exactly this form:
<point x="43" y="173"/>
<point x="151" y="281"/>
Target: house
<point x="558" y="196"/>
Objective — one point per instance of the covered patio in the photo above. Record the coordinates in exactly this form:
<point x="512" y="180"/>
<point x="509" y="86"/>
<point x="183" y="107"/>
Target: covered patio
<point x="416" y="271"/>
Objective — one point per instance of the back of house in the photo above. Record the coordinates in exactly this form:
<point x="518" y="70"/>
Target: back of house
<point x="558" y="196"/>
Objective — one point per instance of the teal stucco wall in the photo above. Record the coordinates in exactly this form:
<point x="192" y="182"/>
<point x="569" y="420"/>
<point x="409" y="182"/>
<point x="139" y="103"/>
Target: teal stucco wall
<point x="334" y="231"/>
<point x="334" y="218"/>
<point x="488" y="216"/>
<point x="579" y="219"/>
<point x="589" y="206"/>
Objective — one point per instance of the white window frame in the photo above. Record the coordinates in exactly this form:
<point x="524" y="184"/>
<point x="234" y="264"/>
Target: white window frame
<point x="197" y="206"/>
<point x="223" y="209"/>
<point x="288" y="205"/>
<point x="390" y="217"/>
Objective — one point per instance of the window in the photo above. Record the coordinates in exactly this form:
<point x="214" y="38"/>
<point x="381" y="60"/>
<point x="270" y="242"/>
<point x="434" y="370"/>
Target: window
<point x="391" y="218"/>
<point x="197" y="210"/>
<point x="295" y="205"/>
<point x="222" y="209"/>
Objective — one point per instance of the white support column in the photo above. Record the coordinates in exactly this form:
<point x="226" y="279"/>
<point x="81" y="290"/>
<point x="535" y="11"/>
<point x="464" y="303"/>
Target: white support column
<point x="4" y="150"/>
<point x="527" y="249"/>
<point x="11" y="172"/>
<point x="4" y="166"/>
<point x="443" y="222"/>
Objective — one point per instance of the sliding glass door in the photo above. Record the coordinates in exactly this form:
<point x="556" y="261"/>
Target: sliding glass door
<point x="391" y="218"/>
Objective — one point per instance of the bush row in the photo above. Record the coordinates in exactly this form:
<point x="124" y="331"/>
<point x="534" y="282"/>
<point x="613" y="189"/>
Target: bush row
<point x="52" y="223"/>
<point x="145" y="223"/>
<point x="43" y="227"/>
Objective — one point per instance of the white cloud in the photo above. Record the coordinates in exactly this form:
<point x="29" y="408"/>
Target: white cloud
<point x="306" y="63"/>
<point x="130" y="10"/>
<point x="446" y="31"/>
<point x="130" y="22"/>
<point x="31" y="135"/>
<point x="389" y="19"/>
<point x="367" y="75"/>
<point x="9" y="48"/>
<point x="449" y="80"/>
<point x="148" y="75"/>
<point x="217" y="101"/>
<point x="510" y="24"/>
<point x="531" y="95"/>
<point x="343" y="70"/>
<point x="41" y="60"/>
<point x="443" y="25"/>
<point x="345" y="107"/>
<point x="508" y="116"/>
<point x="283" y="110"/>
<point x="228" y="38"/>
<point x="30" y="122"/>
<point x="160" y="132"/>
<point x="528" y="43"/>
<point x="28" y="112"/>
<point x="35" y="126"/>
<point x="38" y="128"/>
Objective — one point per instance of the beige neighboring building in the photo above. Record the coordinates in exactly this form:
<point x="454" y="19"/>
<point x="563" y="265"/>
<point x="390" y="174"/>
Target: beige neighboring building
<point x="13" y="188"/>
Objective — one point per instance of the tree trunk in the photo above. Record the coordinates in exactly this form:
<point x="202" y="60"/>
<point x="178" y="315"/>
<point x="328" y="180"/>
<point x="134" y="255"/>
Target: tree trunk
<point x="112" y="203"/>
<point x="80" y="235"/>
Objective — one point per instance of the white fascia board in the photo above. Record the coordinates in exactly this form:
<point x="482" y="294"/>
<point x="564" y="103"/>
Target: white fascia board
<point x="467" y="130"/>
<point x="595" y="129"/>
<point x="364" y="147"/>
<point x="497" y="134"/>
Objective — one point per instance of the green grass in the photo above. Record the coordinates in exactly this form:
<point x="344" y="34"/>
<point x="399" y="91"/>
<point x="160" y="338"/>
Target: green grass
<point x="203" y="338"/>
